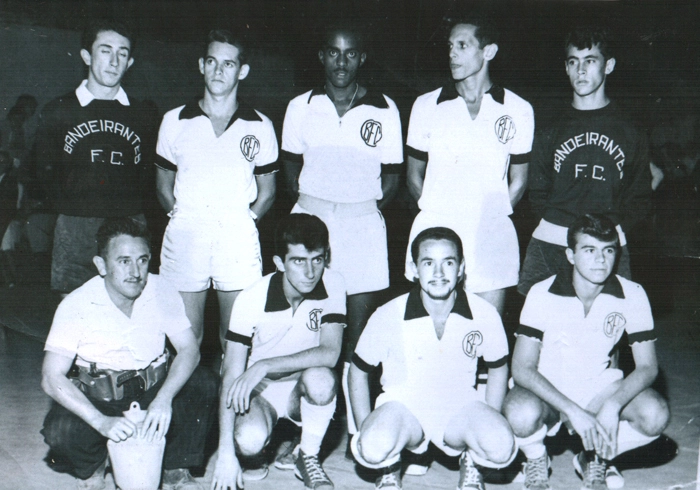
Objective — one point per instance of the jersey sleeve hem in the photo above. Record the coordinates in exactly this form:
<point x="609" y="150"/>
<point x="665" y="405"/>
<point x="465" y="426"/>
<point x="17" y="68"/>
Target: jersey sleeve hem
<point x="270" y="168"/>
<point x="646" y="336"/>
<point x="361" y="364"/>
<point x="293" y="157"/>
<point x="520" y="159"/>
<point x="333" y="318"/>
<point x="241" y="339"/>
<point x="165" y="164"/>
<point x="529" y="332"/>
<point x="498" y="363"/>
<point x="417" y="154"/>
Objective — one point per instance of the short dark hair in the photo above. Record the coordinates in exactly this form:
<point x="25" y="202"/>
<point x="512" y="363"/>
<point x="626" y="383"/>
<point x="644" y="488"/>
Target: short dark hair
<point x="227" y="37"/>
<point x="96" y="26"/>
<point x="585" y="37"/>
<point x="436" y="233"/>
<point x="301" y="229"/>
<point x="349" y="26"/>
<point x="486" y="31"/>
<point x="598" y="226"/>
<point x="113" y="227"/>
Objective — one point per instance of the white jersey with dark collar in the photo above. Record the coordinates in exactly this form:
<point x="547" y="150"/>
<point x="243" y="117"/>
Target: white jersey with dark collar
<point x="401" y="337"/>
<point x="263" y="319"/>
<point x="468" y="160"/>
<point x="215" y="175"/>
<point x="342" y="156"/>
<point x="576" y="346"/>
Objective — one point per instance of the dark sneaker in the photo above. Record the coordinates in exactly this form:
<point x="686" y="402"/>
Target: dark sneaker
<point x="180" y="479"/>
<point x="308" y="469"/>
<point x="592" y="472"/>
<point x="469" y="476"/>
<point x="96" y="481"/>
<point x="256" y="474"/>
<point x="613" y="478"/>
<point x="389" y="478"/>
<point x="536" y="473"/>
<point x="285" y="454"/>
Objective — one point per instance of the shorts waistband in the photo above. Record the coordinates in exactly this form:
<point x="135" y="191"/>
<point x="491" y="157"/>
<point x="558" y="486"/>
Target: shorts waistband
<point x="339" y="209"/>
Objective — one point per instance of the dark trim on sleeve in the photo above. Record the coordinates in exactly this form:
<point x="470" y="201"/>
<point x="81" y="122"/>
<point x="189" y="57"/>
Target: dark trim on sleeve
<point x="362" y="365"/>
<point x="270" y="168"/>
<point x="496" y="364"/>
<point x="391" y="168"/>
<point x="530" y="332"/>
<point x="417" y="154"/>
<point x="241" y="339"/>
<point x="520" y="159"/>
<point x="333" y="318"/>
<point x="165" y="164"/>
<point x="293" y="157"/>
<point x="645" y="336"/>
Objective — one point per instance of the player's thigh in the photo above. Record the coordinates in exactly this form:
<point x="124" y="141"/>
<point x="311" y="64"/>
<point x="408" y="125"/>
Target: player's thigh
<point x="649" y="411"/>
<point x="391" y="425"/>
<point x="477" y="425"/>
<point x="254" y="427"/>
<point x="526" y="412"/>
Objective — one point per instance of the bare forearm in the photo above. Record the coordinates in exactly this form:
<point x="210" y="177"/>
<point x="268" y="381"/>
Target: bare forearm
<point x="180" y="371"/>
<point x="314" y="357"/>
<point x="64" y="392"/>
<point x="496" y="387"/>
<point x="415" y="177"/>
<point x="530" y="379"/>
<point x="639" y="380"/>
<point x="516" y="190"/>
<point x="359" y="394"/>
<point x="390" y="185"/>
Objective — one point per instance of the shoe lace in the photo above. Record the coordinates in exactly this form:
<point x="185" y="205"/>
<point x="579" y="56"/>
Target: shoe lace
<point x="596" y="471"/>
<point x="389" y="480"/>
<point x="536" y="470"/>
<point x="314" y="469"/>
<point x="472" y="477"/>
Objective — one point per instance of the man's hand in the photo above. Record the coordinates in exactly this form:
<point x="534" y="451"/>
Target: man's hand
<point x="116" y="429"/>
<point x="238" y="396"/>
<point x="157" y="420"/>
<point x="584" y="423"/>
<point x="227" y="472"/>
<point x="607" y="423"/>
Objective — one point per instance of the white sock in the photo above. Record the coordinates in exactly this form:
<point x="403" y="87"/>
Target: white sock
<point x="352" y="428"/>
<point x="314" y="424"/>
<point x="533" y="446"/>
<point x="629" y="438"/>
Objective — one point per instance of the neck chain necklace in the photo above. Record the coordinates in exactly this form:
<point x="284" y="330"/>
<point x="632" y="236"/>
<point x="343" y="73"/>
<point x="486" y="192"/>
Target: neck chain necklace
<point x="357" y="87"/>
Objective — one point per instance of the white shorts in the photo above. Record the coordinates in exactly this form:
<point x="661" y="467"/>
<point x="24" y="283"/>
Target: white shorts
<point x="278" y="393"/>
<point x="358" y="241"/>
<point x="197" y="252"/>
<point x="491" y="253"/>
<point x="433" y="415"/>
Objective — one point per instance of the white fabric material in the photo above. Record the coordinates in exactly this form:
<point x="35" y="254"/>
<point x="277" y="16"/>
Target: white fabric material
<point x="314" y="424"/>
<point x="85" y="96"/>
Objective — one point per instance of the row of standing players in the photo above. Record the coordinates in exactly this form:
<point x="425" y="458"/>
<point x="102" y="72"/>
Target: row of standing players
<point x="341" y="152"/>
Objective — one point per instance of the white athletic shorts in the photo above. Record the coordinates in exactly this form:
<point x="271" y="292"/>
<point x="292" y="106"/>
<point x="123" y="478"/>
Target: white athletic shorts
<point x="433" y="415"/>
<point x="358" y="241"/>
<point x="278" y="393"/>
<point x="491" y="254"/>
<point x="197" y="252"/>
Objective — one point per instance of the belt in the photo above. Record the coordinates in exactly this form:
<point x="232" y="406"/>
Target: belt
<point x="339" y="209"/>
<point x="108" y="384"/>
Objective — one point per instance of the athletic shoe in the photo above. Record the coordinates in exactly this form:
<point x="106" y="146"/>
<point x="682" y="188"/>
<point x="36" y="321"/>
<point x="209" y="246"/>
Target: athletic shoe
<point x="390" y="478"/>
<point x="285" y="454"/>
<point x="180" y="479"/>
<point x="309" y="470"/>
<point x="418" y="464"/>
<point x="96" y="481"/>
<point x="536" y="473"/>
<point x="469" y="476"/>
<point x="613" y="478"/>
<point x="256" y="474"/>
<point x="592" y="472"/>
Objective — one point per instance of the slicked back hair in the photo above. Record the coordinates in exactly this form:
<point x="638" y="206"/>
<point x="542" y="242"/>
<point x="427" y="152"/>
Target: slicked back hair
<point x="436" y="233"/>
<point x="227" y="37"/>
<point x="587" y="37"/>
<point x="96" y="26"/>
<point x="301" y="229"/>
<point x="486" y="31"/>
<point x="598" y="226"/>
<point x="114" y="227"/>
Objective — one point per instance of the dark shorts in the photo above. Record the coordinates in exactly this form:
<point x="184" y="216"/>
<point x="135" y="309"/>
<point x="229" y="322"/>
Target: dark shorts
<point x="74" y="246"/>
<point x="544" y="259"/>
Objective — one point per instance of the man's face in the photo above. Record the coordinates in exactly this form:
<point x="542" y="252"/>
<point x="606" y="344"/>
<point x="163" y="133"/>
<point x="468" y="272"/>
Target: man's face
<point x="302" y="268"/>
<point x="592" y="259"/>
<point x="439" y="268"/>
<point x="342" y="58"/>
<point x="587" y="69"/>
<point x="125" y="266"/>
<point x="108" y="59"/>
<point x="466" y="57"/>
<point x="222" y="68"/>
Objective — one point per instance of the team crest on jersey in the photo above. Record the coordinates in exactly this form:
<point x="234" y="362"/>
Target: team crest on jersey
<point x="250" y="146"/>
<point x="371" y="132"/>
<point x="314" y="319"/>
<point x="613" y="323"/>
<point x="471" y="341"/>
<point x="505" y="129"/>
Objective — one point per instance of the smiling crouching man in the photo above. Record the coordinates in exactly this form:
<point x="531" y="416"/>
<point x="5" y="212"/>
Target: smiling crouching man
<point x="106" y="349"/>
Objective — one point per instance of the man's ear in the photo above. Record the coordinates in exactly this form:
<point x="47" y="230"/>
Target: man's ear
<point x="414" y="270"/>
<point x="129" y="63"/>
<point x="245" y="69"/>
<point x="320" y="57"/>
<point x="490" y="51"/>
<point x="609" y="66"/>
<point x="279" y="263"/>
<point x="100" y="264"/>
<point x="570" y="255"/>
<point x="363" y="58"/>
<point x="461" y="273"/>
<point x="86" y="56"/>
<point x="201" y="66"/>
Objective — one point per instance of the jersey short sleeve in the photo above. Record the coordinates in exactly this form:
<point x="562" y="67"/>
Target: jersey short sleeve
<point x="392" y="147"/>
<point x="531" y="324"/>
<point x="373" y="347"/>
<point x="66" y="329"/>
<point x="334" y="310"/>
<point x="493" y="348"/>
<point x="268" y="147"/>
<point x="640" y="322"/>
<point x="292" y="129"/>
<point x="165" y="157"/>
<point x="244" y="316"/>
<point x="173" y="318"/>
<point x="525" y="129"/>
<point x="419" y="124"/>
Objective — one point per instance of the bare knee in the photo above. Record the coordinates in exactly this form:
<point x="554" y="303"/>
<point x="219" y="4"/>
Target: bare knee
<point x="250" y="439"/>
<point x="319" y="385"/>
<point x="523" y="411"/>
<point x="498" y="444"/>
<point x="652" y="416"/>
<point x="376" y="444"/>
